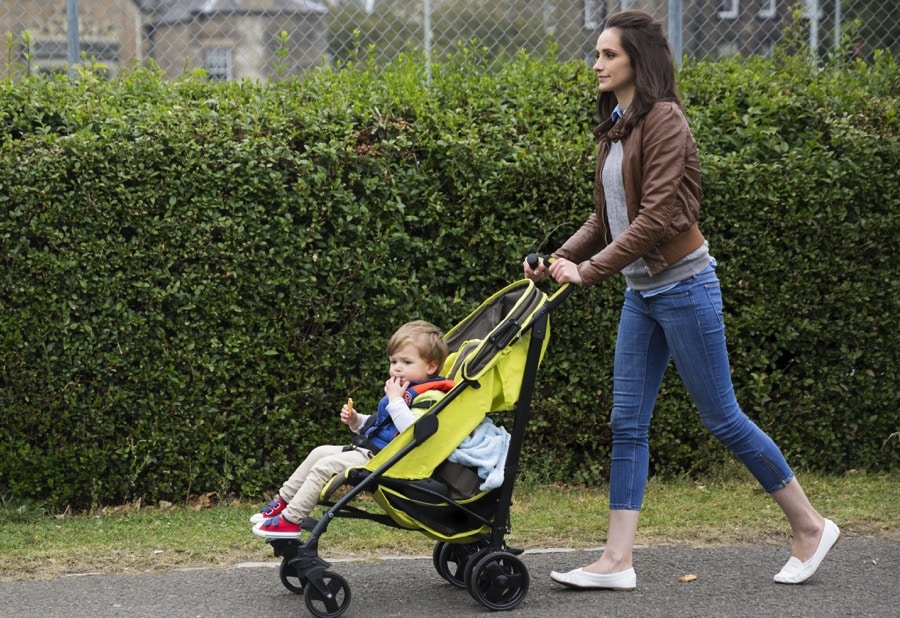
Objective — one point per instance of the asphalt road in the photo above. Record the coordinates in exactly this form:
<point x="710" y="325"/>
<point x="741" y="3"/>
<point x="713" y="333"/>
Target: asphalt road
<point x="859" y="578"/>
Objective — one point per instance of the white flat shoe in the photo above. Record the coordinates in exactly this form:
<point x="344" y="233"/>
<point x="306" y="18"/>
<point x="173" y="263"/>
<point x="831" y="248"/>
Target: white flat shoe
<point x="796" y="572"/>
<point x="581" y="579"/>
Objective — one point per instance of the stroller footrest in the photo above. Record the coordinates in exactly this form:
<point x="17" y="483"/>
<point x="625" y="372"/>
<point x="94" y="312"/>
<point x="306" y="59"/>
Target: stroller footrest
<point x="284" y="547"/>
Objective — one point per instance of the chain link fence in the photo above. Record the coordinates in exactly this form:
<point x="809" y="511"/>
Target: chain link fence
<point x="270" y="39"/>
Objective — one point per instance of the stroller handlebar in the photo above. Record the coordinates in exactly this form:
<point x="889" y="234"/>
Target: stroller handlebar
<point x="560" y="295"/>
<point x="533" y="260"/>
<point x="564" y="290"/>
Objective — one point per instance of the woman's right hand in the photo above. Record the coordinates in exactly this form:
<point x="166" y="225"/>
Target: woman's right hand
<point x="564" y="271"/>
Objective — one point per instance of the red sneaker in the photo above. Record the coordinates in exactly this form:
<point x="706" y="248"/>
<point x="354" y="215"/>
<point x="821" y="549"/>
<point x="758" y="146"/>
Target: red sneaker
<point x="277" y="528"/>
<point x="270" y="510"/>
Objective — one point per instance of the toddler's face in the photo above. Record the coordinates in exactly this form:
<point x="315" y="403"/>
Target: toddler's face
<point x="407" y="364"/>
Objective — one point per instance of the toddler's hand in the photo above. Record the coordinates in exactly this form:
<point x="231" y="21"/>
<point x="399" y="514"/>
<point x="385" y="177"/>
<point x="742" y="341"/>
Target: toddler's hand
<point x="395" y="387"/>
<point x="348" y="414"/>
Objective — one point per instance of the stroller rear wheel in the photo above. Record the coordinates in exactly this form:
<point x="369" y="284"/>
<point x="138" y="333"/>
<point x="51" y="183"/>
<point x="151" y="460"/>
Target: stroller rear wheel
<point x="473" y="560"/>
<point x="330" y="602"/>
<point x="451" y="560"/>
<point x="498" y="580"/>
<point x="436" y="556"/>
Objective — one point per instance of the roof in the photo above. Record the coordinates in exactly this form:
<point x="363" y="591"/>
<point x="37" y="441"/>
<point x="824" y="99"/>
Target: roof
<point x="170" y="11"/>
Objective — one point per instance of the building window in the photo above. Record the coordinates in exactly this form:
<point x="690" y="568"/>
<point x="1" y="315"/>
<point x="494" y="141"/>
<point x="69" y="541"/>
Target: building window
<point x="218" y="64"/>
<point x="591" y="18"/>
<point x="768" y="10"/>
<point x="728" y="9"/>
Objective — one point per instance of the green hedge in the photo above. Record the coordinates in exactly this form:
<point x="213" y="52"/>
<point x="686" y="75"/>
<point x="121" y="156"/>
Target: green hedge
<point x="196" y="275"/>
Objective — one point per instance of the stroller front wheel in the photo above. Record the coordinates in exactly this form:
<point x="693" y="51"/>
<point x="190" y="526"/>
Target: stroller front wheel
<point x="328" y="597"/>
<point x="290" y="578"/>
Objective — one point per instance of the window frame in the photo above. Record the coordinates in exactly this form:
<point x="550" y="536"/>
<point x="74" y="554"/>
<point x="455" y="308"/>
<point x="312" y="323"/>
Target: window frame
<point x="223" y="71"/>
<point x="768" y="10"/>
<point x="731" y="12"/>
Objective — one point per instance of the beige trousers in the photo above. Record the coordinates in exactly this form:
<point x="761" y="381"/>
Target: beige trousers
<point x="302" y="490"/>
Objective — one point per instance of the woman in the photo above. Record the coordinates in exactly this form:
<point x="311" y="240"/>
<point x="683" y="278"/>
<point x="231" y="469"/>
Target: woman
<point x="644" y="225"/>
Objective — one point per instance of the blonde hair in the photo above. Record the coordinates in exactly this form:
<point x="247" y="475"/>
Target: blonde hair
<point x="427" y="338"/>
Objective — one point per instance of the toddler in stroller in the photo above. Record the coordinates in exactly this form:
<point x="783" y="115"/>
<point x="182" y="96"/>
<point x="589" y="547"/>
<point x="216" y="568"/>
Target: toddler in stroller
<point x="416" y="352"/>
<point x="422" y="480"/>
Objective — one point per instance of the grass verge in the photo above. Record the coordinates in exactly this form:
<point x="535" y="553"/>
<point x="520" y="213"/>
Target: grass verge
<point x="728" y="509"/>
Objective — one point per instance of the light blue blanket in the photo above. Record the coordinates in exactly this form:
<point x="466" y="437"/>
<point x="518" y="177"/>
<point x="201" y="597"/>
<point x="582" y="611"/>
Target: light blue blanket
<point x="484" y="449"/>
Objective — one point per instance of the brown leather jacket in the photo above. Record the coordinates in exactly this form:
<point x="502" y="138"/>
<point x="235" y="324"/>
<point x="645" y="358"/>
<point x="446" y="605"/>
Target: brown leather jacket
<point x="661" y="173"/>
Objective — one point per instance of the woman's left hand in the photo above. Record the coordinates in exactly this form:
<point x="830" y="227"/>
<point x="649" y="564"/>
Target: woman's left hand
<point x="564" y="271"/>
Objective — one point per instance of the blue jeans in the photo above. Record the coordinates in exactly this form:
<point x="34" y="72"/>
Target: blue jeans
<point x="685" y="324"/>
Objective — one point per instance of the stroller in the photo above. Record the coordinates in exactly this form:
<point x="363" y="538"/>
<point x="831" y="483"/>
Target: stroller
<point x="494" y="357"/>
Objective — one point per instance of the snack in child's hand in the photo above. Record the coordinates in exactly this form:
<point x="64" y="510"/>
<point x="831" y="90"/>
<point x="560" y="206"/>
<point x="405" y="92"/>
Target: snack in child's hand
<point x="350" y="404"/>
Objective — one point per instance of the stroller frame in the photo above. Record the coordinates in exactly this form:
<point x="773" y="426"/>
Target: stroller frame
<point x="478" y="559"/>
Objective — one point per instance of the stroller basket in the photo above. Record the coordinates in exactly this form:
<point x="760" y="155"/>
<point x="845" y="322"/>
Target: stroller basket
<point x="494" y="356"/>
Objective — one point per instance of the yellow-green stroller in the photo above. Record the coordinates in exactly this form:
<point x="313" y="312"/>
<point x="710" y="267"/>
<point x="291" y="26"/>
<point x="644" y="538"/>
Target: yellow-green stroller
<point x="495" y="354"/>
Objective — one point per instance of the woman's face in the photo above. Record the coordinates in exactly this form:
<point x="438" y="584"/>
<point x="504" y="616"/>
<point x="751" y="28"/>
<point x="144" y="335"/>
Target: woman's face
<point x="613" y="67"/>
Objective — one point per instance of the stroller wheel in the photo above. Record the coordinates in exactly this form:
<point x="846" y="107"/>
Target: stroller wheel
<point x="289" y="577"/>
<point x="436" y="556"/>
<point x="330" y="602"/>
<point x="473" y="560"/>
<point x="452" y="560"/>
<point x="499" y="581"/>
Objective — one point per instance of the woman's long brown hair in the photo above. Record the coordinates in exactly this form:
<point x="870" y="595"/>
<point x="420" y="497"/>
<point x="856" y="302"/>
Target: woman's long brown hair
<point x="644" y="41"/>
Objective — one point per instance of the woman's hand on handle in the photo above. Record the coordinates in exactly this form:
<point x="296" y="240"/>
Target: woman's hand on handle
<point x="533" y="268"/>
<point x="564" y="271"/>
<point x="536" y="268"/>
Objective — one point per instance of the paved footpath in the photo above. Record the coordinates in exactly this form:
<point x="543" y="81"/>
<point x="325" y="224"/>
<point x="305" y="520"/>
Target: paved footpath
<point x="861" y="577"/>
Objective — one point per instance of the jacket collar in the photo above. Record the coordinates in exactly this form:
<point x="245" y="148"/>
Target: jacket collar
<point x="609" y="130"/>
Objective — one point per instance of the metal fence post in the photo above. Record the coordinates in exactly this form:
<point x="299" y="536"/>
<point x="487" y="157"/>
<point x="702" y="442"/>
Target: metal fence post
<point x="72" y="36"/>
<point x="426" y="26"/>
<point x="812" y="7"/>
<point x="837" y="25"/>
<point x="675" y="29"/>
